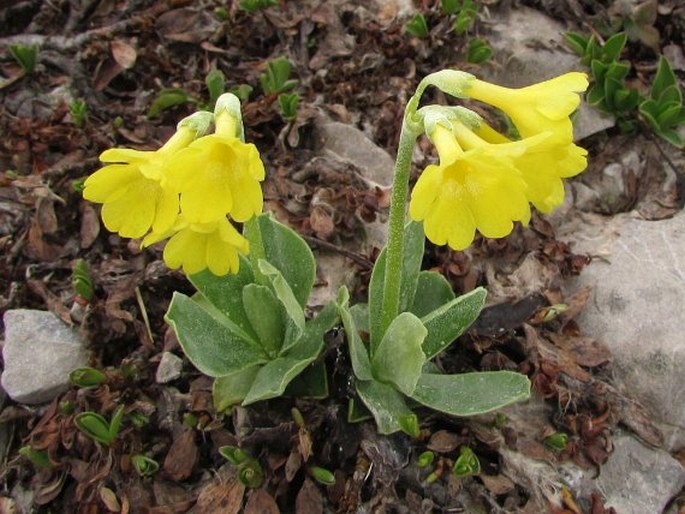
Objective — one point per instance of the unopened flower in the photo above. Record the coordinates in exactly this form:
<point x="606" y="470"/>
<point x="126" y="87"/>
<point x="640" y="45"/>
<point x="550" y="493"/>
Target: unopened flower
<point x="198" y="246"/>
<point x="218" y="175"/>
<point x="542" y="107"/>
<point x="474" y="189"/>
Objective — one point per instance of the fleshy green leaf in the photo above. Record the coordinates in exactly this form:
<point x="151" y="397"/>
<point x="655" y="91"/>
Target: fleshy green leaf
<point x="469" y="394"/>
<point x="311" y="342"/>
<point x="226" y="293"/>
<point x="294" y="315"/>
<point x="664" y="78"/>
<point x="359" y="354"/>
<point x="232" y="389"/>
<point x="94" y="426"/>
<point x="168" y="98"/>
<point x="386" y="404"/>
<point x="360" y="315"/>
<point x="289" y="253"/>
<point x="311" y="383"/>
<point x="614" y="45"/>
<point x="209" y="339"/>
<point x="451" y="320"/>
<point x="432" y="291"/>
<point x="399" y="358"/>
<point x="272" y="378"/>
<point x="414" y="242"/>
<point x="578" y="42"/>
<point x="264" y="312"/>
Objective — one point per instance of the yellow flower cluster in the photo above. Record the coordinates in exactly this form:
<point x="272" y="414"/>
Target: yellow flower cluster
<point x="485" y="181"/>
<point x="186" y="191"/>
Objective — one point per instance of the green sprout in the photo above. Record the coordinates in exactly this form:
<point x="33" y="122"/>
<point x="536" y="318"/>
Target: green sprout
<point x="87" y="377"/>
<point x="81" y="281"/>
<point x="79" y="112"/>
<point x="252" y="6"/>
<point x="417" y="26"/>
<point x="144" y="465"/>
<point x="38" y="458"/>
<point x="557" y="441"/>
<point x="216" y="85"/>
<point x="322" y="475"/>
<point x="98" y="428"/>
<point x="288" y="104"/>
<point x="425" y="459"/>
<point x="242" y="91"/>
<point x="168" y="98"/>
<point x="465" y="17"/>
<point x="663" y="110"/>
<point x="479" y="51"/>
<point x="275" y="79"/>
<point x="26" y="56"/>
<point x="467" y="464"/>
<point x="250" y="472"/>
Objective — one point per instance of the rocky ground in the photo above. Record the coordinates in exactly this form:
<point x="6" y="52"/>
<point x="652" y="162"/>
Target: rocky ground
<point x="607" y="372"/>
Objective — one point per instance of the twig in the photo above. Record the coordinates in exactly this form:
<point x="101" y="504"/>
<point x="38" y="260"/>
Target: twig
<point x="362" y="261"/>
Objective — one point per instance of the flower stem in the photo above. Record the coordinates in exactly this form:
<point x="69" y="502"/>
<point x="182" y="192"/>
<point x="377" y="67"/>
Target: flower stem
<point x="398" y="202"/>
<point x="253" y="234"/>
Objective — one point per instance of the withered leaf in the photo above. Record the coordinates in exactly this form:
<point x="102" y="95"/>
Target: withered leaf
<point x="309" y="499"/>
<point x="497" y="484"/>
<point x="443" y="441"/>
<point x="221" y="496"/>
<point x="261" y="502"/>
<point x="124" y="54"/>
<point x="182" y="457"/>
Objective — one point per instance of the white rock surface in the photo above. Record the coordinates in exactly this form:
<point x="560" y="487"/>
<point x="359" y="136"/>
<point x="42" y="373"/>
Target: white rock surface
<point x="636" y="308"/>
<point x="39" y="353"/>
<point x="637" y="479"/>
<point x="169" y="368"/>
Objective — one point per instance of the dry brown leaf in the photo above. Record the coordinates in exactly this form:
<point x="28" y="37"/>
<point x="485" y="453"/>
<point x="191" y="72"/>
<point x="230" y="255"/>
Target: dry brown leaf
<point x="587" y="352"/>
<point x="109" y="499"/>
<point x="182" y="457"/>
<point x="497" y="484"/>
<point x="443" y="441"/>
<point x="321" y="222"/>
<point x="309" y="499"/>
<point x="90" y="225"/>
<point x="124" y="54"/>
<point x="261" y="502"/>
<point x="220" y="496"/>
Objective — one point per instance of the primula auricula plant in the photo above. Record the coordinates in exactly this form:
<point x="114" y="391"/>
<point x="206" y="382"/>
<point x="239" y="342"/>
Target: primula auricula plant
<point x="246" y="325"/>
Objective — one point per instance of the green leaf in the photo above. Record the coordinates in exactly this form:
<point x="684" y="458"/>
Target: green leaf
<point x="451" y="320"/>
<point x="94" y="426"/>
<point x="664" y="78"/>
<point x="264" y="312"/>
<point x="399" y="358"/>
<point x="478" y="52"/>
<point x="289" y="253"/>
<point x="669" y="116"/>
<point x="294" y="315"/>
<point x="208" y="338"/>
<point x="414" y="242"/>
<point x="467" y="464"/>
<point x="25" y="55"/>
<point x="613" y="47"/>
<point x="386" y="404"/>
<point x="358" y="353"/>
<point x="289" y="104"/>
<point x="449" y="6"/>
<point x="275" y="79"/>
<point x="671" y="94"/>
<point x="577" y="41"/>
<point x="360" y="314"/>
<point x="232" y="389"/>
<point x="168" y="98"/>
<point x="671" y="136"/>
<point x="469" y="394"/>
<point x="226" y="293"/>
<point x="432" y="291"/>
<point x="599" y="70"/>
<point x="216" y="85"/>
<point x="273" y="377"/>
<point x="311" y="383"/>
<point x="617" y="71"/>
<point x="417" y="26"/>
<point x="311" y="342"/>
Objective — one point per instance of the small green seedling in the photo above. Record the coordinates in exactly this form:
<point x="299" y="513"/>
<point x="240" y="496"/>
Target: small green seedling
<point x="479" y="51"/>
<point x="242" y="91"/>
<point x="663" y="110"/>
<point x="322" y="475"/>
<point x="465" y="17"/>
<point x="81" y="281"/>
<point x="216" y="85"/>
<point x="417" y="26"/>
<point x="38" y="458"/>
<point x="557" y="441"/>
<point x="467" y="464"/>
<point x="425" y="459"/>
<point x="26" y="56"/>
<point x="168" y="98"/>
<point x="79" y="112"/>
<point x="275" y="79"/>
<point x="289" y="103"/>
<point x="250" y="472"/>
<point x="98" y="428"/>
<point x="144" y="465"/>
<point x="87" y="377"/>
<point x="252" y="6"/>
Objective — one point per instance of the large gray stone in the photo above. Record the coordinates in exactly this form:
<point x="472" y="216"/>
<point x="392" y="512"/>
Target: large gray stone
<point x="636" y="308"/>
<point x="637" y="479"/>
<point x="39" y="353"/>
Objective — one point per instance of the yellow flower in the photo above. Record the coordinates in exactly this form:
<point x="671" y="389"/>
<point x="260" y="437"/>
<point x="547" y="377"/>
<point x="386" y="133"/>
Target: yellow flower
<point x="479" y="188"/>
<point x="542" y="165"/>
<point x="542" y="107"/>
<point x="130" y="187"/>
<point x="197" y="246"/>
<point x="218" y="175"/>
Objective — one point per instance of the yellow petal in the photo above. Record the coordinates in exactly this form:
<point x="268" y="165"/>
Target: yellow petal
<point x="218" y="255"/>
<point x="109" y="183"/>
<point x="124" y="155"/>
<point x="425" y="192"/>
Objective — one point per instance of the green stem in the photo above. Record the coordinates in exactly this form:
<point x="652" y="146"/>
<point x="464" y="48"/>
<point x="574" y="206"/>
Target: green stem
<point x="395" y="247"/>
<point x="253" y="234"/>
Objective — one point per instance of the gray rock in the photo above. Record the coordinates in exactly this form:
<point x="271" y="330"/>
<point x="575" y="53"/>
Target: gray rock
<point x="351" y="144"/>
<point x="169" y="368"/>
<point x="530" y="47"/>
<point x="636" y="308"/>
<point x="39" y="353"/>
<point x="637" y="479"/>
